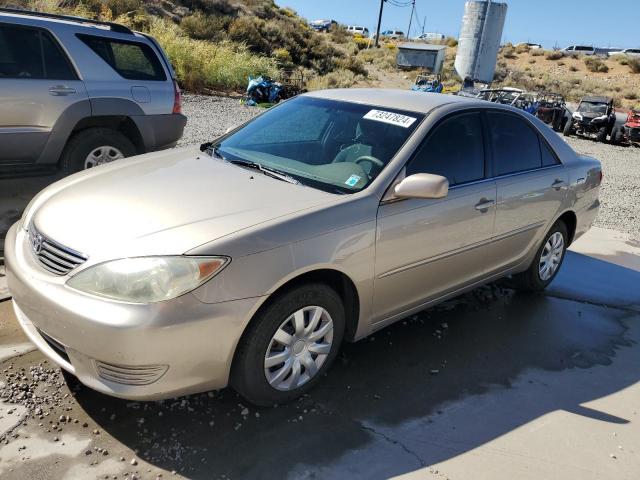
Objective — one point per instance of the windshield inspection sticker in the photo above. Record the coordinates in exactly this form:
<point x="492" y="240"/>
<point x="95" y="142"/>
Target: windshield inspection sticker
<point x="390" y="117"/>
<point x="352" y="180"/>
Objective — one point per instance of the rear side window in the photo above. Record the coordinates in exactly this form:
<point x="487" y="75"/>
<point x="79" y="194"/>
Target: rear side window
<point x="454" y="150"/>
<point x="132" y="60"/>
<point x="515" y="145"/>
<point x="30" y="53"/>
<point x="548" y="157"/>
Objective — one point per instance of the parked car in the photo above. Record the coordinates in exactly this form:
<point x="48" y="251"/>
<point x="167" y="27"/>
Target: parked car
<point x="579" y="50"/>
<point x="77" y="93"/>
<point x="322" y="25"/>
<point x="431" y="37"/>
<point x="250" y="260"/>
<point x="552" y="110"/>
<point x="595" y="117"/>
<point x="358" y="30"/>
<point x="532" y="46"/>
<point x="392" y="34"/>
<point x="630" y="52"/>
<point x="629" y="133"/>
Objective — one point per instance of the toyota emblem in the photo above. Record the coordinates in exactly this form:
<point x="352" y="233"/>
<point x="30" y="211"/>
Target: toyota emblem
<point x="36" y="243"/>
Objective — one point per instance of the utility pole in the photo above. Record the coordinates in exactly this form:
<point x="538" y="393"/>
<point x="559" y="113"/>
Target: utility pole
<point x="413" y="7"/>
<point x="379" y="20"/>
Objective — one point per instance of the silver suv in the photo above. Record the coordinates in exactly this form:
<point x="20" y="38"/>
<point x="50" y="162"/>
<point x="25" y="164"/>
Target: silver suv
<point x="76" y="93"/>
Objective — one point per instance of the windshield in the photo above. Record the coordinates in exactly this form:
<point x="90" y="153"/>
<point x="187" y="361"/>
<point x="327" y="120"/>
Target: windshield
<point x="339" y="147"/>
<point x="591" y="107"/>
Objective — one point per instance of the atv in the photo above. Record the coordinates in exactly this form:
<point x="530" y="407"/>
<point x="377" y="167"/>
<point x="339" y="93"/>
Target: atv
<point x="552" y="110"/>
<point x="595" y="117"/>
<point x="426" y="82"/>
<point x="629" y="133"/>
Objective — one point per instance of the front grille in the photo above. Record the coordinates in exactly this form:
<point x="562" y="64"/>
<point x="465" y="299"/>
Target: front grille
<point x="129" y="375"/>
<point x="54" y="257"/>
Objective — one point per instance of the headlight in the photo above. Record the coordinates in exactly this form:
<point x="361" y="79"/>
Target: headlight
<point x="147" y="279"/>
<point x="577" y="115"/>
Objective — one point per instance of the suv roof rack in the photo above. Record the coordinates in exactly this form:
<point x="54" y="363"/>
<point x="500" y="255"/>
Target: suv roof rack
<point x="115" y="27"/>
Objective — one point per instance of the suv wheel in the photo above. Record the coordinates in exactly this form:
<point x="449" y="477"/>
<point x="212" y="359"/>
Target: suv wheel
<point x="95" y="146"/>
<point x="601" y="136"/>
<point x="547" y="262"/>
<point x="289" y="345"/>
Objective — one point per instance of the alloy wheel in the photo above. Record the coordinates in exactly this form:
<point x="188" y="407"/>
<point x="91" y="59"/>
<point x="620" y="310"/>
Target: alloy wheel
<point x="299" y="348"/>
<point x="102" y="155"/>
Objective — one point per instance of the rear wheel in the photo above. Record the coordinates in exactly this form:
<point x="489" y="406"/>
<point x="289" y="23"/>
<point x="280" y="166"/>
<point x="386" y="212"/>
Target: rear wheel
<point x="289" y="345"/>
<point x="93" y="147"/>
<point x="547" y="261"/>
<point x="616" y="136"/>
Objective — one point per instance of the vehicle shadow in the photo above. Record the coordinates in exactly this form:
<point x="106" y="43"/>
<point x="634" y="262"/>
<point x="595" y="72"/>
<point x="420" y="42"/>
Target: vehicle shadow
<point x="482" y="342"/>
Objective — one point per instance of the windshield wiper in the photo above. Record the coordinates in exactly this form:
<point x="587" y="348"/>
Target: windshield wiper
<point x="271" y="172"/>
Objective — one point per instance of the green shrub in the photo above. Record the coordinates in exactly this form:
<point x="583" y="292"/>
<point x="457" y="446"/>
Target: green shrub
<point x="573" y="68"/>
<point x="621" y="59"/>
<point x="335" y="79"/>
<point x="630" y="95"/>
<point x="206" y="27"/>
<point x="509" y="52"/>
<point x="522" y="48"/>
<point x="554" y="55"/>
<point x="353" y="64"/>
<point x="361" y="42"/>
<point x="595" y="64"/>
<point x="200" y="64"/>
<point x="339" y="34"/>
<point x="451" y="42"/>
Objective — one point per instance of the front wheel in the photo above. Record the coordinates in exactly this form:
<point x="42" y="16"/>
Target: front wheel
<point x="547" y="262"/>
<point x="568" y="129"/>
<point x="601" y="136"/>
<point x="289" y="345"/>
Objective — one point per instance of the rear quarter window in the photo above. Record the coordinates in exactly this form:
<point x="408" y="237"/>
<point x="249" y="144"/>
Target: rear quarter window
<point x="132" y="60"/>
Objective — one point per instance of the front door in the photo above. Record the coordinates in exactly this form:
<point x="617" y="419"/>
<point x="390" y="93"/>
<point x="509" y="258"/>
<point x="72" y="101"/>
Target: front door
<point x="427" y="248"/>
<point x="37" y="84"/>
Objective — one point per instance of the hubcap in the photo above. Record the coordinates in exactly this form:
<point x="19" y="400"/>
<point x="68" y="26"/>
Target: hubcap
<point x="299" y="348"/>
<point x="551" y="256"/>
<point x="102" y="155"/>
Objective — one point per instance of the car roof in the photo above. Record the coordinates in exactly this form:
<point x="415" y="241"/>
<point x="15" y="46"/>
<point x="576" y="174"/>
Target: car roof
<point x="409" y="100"/>
<point x="597" y="99"/>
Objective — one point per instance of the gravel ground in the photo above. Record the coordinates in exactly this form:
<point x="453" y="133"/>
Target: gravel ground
<point x="620" y="193"/>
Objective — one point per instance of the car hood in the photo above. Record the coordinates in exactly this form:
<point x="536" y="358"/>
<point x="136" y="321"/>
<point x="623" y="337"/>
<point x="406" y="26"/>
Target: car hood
<point x="163" y="204"/>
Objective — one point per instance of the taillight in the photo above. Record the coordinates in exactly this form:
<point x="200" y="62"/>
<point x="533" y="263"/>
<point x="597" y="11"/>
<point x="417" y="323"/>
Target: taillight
<point x="177" y="98"/>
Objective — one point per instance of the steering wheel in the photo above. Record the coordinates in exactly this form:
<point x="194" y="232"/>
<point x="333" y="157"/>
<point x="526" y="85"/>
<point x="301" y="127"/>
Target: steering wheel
<point x="372" y="160"/>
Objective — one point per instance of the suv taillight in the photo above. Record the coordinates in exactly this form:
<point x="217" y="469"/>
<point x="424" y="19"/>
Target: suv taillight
<point x="177" y="98"/>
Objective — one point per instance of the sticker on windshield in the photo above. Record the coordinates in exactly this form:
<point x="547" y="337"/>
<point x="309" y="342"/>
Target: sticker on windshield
<point x="390" y="117"/>
<point x="352" y="180"/>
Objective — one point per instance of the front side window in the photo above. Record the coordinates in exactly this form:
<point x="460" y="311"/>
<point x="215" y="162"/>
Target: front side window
<point x="30" y="53"/>
<point x="336" y="146"/>
<point x="454" y="150"/>
<point x="515" y="144"/>
<point x="132" y="60"/>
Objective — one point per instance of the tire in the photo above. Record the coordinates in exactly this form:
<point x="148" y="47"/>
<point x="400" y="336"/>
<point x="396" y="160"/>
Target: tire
<point x="616" y="136"/>
<point x="249" y="370"/>
<point x="568" y="129"/>
<point x="82" y="144"/>
<point x="531" y="280"/>
<point x="601" y="136"/>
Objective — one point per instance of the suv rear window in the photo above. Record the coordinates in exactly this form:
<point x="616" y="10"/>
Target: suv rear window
<point x="30" y="53"/>
<point x="132" y="60"/>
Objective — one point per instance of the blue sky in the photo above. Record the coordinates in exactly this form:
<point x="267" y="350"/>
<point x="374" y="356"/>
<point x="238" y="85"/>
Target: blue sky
<point x="613" y="23"/>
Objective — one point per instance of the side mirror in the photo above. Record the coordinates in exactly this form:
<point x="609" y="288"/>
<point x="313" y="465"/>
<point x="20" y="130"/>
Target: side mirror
<point x="422" y="185"/>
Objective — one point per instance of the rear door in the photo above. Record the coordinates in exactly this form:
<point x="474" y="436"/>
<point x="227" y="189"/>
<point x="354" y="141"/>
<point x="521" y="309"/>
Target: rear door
<point x="37" y="85"/>
<point x="531" y="185"/>
<point x="426" y="248"/>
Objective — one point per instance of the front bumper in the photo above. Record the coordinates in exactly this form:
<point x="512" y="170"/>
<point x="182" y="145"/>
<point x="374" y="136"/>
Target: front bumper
<point x="153" y="351"/>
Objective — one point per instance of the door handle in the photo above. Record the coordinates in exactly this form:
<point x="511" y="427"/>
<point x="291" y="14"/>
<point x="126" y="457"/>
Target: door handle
<point x="484" y="204"/>
<point x="61" y="90"/>
<point x="557" y="183"/>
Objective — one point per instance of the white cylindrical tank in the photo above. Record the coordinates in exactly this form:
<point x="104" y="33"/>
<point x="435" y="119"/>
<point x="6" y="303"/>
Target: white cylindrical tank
<point x="479" y="40"/>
